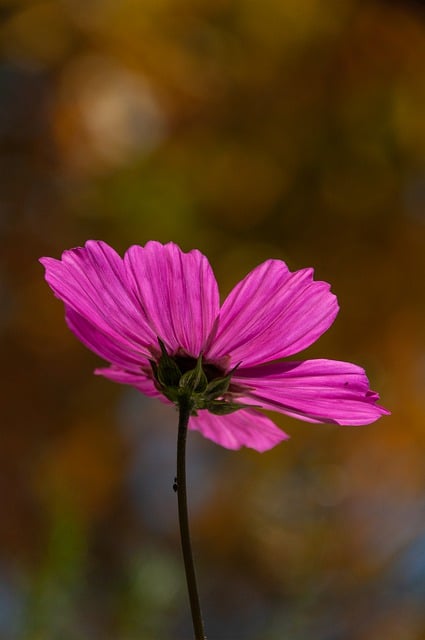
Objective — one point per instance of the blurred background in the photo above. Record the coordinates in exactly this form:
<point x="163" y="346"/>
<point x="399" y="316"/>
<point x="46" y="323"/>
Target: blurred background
<point x="292" y="129"/>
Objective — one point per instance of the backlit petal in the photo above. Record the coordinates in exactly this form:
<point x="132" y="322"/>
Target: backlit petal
<point x="177" y="293"/>
<point x="243" y="428"/>
<point x="313" y="390"/>
<point x="104" y="343"/>
<point x="91" y="280"/>
<point x="272" y="313"/>
<point x="140" y="380"/>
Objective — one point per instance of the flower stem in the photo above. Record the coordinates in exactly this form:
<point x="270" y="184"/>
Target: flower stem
<point x="184" y="415"/>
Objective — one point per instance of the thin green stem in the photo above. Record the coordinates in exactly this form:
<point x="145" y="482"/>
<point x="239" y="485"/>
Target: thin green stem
<point x="198" y="625"/>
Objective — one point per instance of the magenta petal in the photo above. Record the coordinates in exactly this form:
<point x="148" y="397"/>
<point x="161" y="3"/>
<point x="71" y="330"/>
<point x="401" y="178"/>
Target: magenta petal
<point x="108" y="347"/>
<point x="273" y="313"/>
<point x="138" y="380"/>
<point x="313" y="390"/>
<point x="246" y="427"/>
<point x="91" y="281"/>
<point x="178" y="293"/>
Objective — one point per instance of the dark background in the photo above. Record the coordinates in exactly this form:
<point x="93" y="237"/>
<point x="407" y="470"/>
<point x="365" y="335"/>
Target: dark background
<point x="291" y="129"/>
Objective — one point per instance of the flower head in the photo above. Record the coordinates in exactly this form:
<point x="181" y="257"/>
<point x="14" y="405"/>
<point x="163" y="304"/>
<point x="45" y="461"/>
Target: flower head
<point x="155" y="316"/>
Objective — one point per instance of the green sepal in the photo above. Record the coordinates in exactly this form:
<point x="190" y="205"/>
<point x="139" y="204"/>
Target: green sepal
<point x="172" y="394"/>
<point x="167" y="371"/>
<point x="223" y="408"/>
<point x="195" y="380"/>
<point x="217" y="388"/>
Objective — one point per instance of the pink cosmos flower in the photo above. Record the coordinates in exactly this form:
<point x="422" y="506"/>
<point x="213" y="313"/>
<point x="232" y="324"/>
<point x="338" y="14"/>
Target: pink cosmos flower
<point x="124" y="308"/>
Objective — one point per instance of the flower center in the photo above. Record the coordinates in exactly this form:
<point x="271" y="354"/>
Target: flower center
<point x="186" y="363"/>
<point x="200" y="384"/>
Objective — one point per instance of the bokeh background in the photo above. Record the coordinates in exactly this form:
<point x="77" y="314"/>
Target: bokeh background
<point x="292" y="129"/>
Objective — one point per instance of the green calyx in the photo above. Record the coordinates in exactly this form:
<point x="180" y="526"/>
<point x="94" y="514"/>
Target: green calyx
<point x="193" y="386"/>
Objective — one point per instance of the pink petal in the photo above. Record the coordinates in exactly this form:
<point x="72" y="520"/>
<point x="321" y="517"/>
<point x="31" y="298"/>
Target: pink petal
<point x="245" y="427"/>
<point x="107" y="346"/>
<point x="140" y="380"/>
<point x="92" y="282"/>
<point x="272" y="313"/>
<point x="177" y="292"/>
<point x="313" y="390"/>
